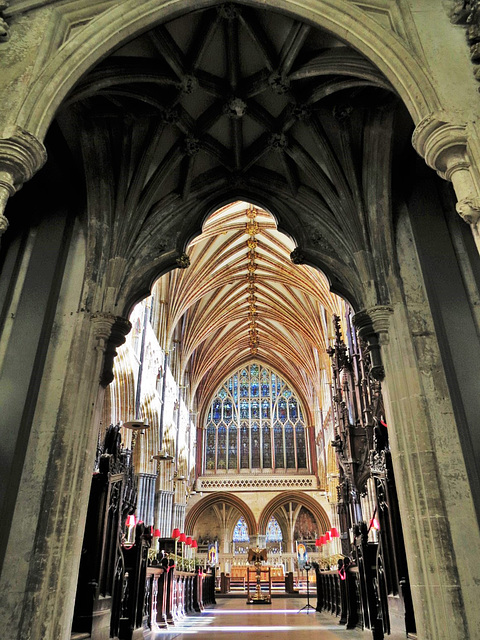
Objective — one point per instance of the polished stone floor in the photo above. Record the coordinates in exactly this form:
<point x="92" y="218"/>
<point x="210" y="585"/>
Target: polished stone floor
<point x="231" y="618"/>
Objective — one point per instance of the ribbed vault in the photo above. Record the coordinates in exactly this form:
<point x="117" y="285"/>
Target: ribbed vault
<point x="235" y="302"/>
<point x="236" y="102"/>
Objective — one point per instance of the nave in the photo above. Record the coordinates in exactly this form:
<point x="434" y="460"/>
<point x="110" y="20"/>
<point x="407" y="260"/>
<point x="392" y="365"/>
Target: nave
<point x="173" y="371"/>
<point x="283" y="619"/>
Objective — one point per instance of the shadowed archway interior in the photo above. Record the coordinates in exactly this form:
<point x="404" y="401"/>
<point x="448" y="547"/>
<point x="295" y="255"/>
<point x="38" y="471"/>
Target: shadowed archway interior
<point x="242" y="165"/>
<point x="237" y="102"/>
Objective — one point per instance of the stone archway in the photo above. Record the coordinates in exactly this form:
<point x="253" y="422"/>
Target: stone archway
<point x="221" y="498"/>
<point x="302" y="499"/>
<point x="409" y="405"/>
<point x="117" y="25"/>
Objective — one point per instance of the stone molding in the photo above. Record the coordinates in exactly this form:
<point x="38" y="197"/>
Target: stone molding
<point x="444" y="146"/>
<point x="21" y="156"/>
<point x="108" y="30"/>
<point x="372" y="326"/>
<point x="256" y="483"/>
<point x="4" y="29"/>
<point x="380" y="316"/>
<point x="110" y="332"/>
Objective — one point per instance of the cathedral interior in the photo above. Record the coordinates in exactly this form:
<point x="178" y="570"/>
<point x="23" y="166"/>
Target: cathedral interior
<point x="239" y="315"/>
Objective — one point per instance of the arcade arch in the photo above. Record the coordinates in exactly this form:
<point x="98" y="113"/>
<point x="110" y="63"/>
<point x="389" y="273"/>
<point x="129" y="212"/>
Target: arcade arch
<point x="289" y="504"/>
<point x="219" y="499"/>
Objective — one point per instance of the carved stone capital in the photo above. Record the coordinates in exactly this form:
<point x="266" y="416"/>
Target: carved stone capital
<point x="380" y="316"/>
<point x="469" y="209"/>
<point x="110" y="332"/>
<point x="4" y="29"/>
<point x="21" y="155"/>
<point x="442" y="144"/>
<point x="372" y="326"/>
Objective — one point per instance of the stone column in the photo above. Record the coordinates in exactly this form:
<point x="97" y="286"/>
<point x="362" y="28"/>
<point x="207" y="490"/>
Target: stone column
<point x="444" y="146"/>
<point x="21" y="156"/>
<point x="432" y="483"/>
<point x="38" y="584"/>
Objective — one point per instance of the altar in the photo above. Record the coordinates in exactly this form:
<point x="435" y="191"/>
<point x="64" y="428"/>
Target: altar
<point x="240" y="573"/>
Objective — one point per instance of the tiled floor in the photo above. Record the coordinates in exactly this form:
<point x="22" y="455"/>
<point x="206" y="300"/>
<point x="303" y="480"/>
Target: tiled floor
<point x="231" y="618"/>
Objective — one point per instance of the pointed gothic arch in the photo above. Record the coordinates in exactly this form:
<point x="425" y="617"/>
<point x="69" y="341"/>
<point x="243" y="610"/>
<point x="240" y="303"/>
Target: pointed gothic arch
<point x="301" y="499"/>
<point x="403" y="384"/>
<point x="116" y="26"/>
<point x="218" y="498"/>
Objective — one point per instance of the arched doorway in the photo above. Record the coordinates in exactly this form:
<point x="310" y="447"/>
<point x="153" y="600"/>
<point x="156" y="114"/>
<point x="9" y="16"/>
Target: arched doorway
<point x="353" y="244"/>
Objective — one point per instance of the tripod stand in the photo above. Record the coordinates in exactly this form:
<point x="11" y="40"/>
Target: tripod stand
<point x="308" y="606"/>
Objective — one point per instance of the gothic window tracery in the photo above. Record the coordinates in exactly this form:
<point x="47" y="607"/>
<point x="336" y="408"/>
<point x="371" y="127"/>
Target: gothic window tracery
<point x="274" y="533"/>
<point x="240" y="533"/>
<point x="255" y="421"/>
<point x="240" y="537"/>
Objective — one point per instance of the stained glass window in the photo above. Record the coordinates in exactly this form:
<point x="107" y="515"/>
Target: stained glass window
<point x="227" y="411"/>
<point x="217" y="410"/>
<point x="255" y="446"/>
<point x="274" y="533"/>
<point x="278" y="442"/>
<point x="301" y="448"/>
<point x="265" y="410"/>
<point x="240" y="533"/>
<point x="210" y="450"/>
<point x="244" y="447"/>
<point x="267" y="448"/>
<point x="222" y="448"/>
<point x="244" y="410"/>
<point x="292" y="409"/>
<point x="232" y="447"/>
<point x="289" y="446"/>
<point x="252" y="405"/>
